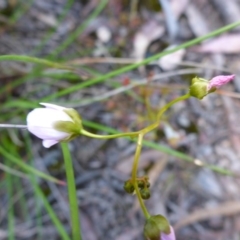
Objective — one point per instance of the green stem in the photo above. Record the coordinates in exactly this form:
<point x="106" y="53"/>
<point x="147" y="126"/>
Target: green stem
<point x="134" y="176"/>
<point x="74" y="211"/>
<point x="162" y="110"/>
<point x="144" y="130"/>
<point x="163" y="149"/>
<point x="130" y="134"/>
<point x="167" y="106"/>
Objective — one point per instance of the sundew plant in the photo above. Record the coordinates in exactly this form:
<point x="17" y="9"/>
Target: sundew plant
<point x="55" y="124"/>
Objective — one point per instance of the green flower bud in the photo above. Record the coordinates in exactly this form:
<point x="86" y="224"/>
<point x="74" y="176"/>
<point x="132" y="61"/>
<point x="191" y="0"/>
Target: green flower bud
<point x="128" y="187"/>
<point x="141" y="184"/>
<point x="156" y="225"/>
<point x="199" y="88"/>
<point x="145" y="193"/>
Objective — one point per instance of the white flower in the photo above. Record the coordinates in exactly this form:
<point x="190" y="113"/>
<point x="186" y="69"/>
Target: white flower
<point x="54" y="123"/>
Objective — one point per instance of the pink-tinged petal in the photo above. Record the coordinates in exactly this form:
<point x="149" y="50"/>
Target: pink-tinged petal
<point x="47" y="133"/>
<point x="219" y="81"/>
<point x="170" y="236"/>
<point x="52" y="106"/>
<point x="49" y="143"/>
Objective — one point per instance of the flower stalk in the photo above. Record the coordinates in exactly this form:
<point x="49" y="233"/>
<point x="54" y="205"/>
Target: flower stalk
<point x="128" y="134"/>
<point x="134" y="175"/>
<point x="162" y="111"/>
<point x="72" y="194"/>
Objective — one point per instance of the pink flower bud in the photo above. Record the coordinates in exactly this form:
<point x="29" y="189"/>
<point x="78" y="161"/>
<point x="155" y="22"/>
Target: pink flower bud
<point x="170" y="236"/>
<point x="158" y="228"/>
<point x="218" y="81"/>
<point x="53" y="123"/>
<point x="201" y="87"/>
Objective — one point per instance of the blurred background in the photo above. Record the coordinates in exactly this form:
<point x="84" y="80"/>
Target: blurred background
<point x="96" y="37"/>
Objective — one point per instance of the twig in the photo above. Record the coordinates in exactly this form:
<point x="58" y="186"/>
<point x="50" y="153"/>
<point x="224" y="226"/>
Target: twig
<point x="134" y="84"/>
<point x="5" y="125"/>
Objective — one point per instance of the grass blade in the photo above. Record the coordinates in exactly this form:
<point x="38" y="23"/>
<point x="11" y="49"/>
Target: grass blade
<point x="28" y="168"/>
<point x="72" y="194"/>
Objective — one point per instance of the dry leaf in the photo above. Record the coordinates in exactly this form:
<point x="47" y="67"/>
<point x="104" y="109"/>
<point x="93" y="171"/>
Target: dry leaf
<point x="179" y="6"/>
<point x="171" y="61"/>
<point x="197" y="21"/>
<point x="151" y="31"/>
<point x="225" y="44"/>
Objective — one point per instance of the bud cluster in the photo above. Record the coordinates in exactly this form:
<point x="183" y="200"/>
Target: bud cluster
<point x="143" y="186"/>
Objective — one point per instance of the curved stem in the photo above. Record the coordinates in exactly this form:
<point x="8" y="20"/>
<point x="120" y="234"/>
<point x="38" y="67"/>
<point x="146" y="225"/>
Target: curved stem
<point x="162" y="110"/>
<point x="129" y="134"/>
<point x="140" y="135"/>
<point x="144" y="130"/>
<point x="167" y="106"/>
<point x="134" y="176"/>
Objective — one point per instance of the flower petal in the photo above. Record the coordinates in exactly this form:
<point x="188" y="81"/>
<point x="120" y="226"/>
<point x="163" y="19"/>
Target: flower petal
<point x="170" y="236"/>
<point x="49" y="143"/>
<point x="52" y="106"/>
<point x="47" y="133"/>
<point x="40" y="122"/>
<point x="219" y="81"/>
